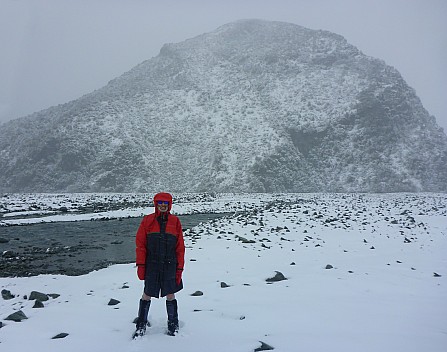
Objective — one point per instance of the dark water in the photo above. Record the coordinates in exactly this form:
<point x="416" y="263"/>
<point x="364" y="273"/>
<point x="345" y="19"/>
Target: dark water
<point x="73" y="248"/>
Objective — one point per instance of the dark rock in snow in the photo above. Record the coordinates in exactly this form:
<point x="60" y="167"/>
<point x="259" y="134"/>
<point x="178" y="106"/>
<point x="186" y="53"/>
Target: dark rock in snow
<point x="38" y="304"/>
<point x="6" y="294"/>
<point x="54" y="295"/>
<point x="244" y="240"/>
<point x="264" y="347"/>
<point x="113" y="302"/>
<point x="39" y="296"/>
<point x="17" y="316"/>
<point x="197" y="293"/>
<point x="62" y="335"/>
<point x="329" y="266"/>
<point x="224" y="285"/>
<point x="436" y="275"/>
<point x="278" y="277"/>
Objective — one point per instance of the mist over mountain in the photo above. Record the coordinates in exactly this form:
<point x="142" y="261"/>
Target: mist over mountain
<point x="254" y="106"/>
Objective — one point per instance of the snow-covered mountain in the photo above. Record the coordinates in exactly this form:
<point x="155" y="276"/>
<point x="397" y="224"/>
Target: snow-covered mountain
<point x="253" y="106"/>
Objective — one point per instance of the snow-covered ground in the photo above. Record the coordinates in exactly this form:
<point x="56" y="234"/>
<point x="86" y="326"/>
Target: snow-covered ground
<point x="386" y="290"/>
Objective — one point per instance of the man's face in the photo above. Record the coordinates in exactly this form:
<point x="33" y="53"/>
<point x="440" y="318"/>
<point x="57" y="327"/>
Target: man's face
<point x="162" y="206"/>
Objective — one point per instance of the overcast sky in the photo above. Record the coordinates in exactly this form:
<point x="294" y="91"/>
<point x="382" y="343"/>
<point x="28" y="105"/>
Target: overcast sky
<point x="54" y="51"/>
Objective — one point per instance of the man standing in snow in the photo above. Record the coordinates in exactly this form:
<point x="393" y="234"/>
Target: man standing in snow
<point x="160" y="251"/>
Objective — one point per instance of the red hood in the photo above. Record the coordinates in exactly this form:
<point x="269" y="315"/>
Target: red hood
<point x="165" y="197"/>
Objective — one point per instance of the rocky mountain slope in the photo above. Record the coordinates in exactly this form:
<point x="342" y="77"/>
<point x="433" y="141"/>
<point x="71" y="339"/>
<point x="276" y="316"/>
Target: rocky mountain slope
<point x="254" y="106"/>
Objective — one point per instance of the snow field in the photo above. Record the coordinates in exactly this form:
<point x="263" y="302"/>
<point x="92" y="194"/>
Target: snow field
<point x="381" y="299"/>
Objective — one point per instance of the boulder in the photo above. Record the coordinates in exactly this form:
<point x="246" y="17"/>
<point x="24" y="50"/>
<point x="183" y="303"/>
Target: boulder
<point x="17" y="316"/>
<point x="6" y="294"/>
<point x="38" y="295"/>
<point x="278" y="277"/>
<point x="38" y="304"/>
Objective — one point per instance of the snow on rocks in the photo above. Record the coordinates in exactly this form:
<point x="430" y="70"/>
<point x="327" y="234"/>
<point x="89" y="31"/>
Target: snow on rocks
<point x="23" y="209"/>
<point x="371" y="299"/>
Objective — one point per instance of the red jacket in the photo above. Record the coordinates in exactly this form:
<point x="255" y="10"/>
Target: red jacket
<point x="149" y="225"/>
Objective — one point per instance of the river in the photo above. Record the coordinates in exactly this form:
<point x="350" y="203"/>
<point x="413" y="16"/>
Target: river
<point x="73" y="248"/>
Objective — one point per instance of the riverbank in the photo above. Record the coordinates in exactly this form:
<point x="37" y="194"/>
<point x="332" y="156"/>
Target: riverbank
<point x="359" y="272"/>
<point x="74" y="248"/>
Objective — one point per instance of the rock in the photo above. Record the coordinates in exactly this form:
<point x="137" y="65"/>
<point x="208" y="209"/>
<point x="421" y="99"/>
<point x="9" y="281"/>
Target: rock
<point x="39" y="296"/>
<point x="436" y="275"/>
<point x="38" y="304"/>
<point x="224" y="285"/>
<point x="17" y="316"/>
<point x="197" y="293"/>
<point x="9" y="254"/>
<point x="278" y="277"/>
<point x="54" y="295"/>
<point x="264" y="347"/>
<point x="62" y="335"/>
<point x="244" y="240"/>
<point x="329" y="266"/>
<point x="113" y="302"/>
<point x="6" y="294"/>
